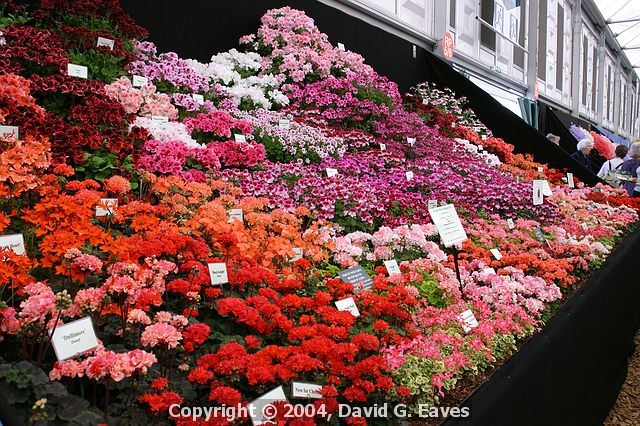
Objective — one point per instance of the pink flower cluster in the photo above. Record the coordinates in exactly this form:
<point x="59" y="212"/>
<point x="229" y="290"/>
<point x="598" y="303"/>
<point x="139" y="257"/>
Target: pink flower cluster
<point x="385" y="243"/>
<point x="217" y="125"/>
<point x="296" y="50"/>
<point x="145" y="101"/>
<point x="356" y="101"/>
<point x="82" y="261"/>
<point x="161" y="334"/>
<point x="175" y="158"/>
<point x="166" y="68"/>
<point x="238" y="154"/>
<point x="105" y="364"/>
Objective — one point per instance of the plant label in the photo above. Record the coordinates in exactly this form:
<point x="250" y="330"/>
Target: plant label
<point x="260" y="408"/>
<point x="73" y="338"/>
<point x="480" y="147"/>
<point x="541" y="169"/>
<point x="284" y="124"/>
<point x="539" y="235"/>
<point x="538" y="198"/>
<point x="432" y="204"/>
<point x="332" y="172"/>
<point x="298" y="253"/>
<point x="349" y="305"/>
<point x="139" y="81"/>
<point x="106" y="207"/>
<point x="411" y="141"/>
<point x="162" y="119"/>
<point x="218" y="273"/>
<point x="511" y="224"/>
<point x="484" y="137"/>
<point x="448" y="224"/>
<point x="305" y="390"/>
<point x="239" y="138"/>
<point x="341" y="47"/>
<point x="236" y="214"/>
<point x="546" y="189"/>
<point x="489" y="271"/>
<point x="198" y="98"/>
<point x="392" y="267"/>
<point x="79" y="71"/>
<point x="496" y="253"/>
<point x="13" y="242"/>
<point x="453" y="125"/>
<point x="409" y="175"/>
<point x="105" y="42"/>
<point x="11" y="131"/>
<point x="469" y="321"/>
<point x="357" y="277"/>
<point x="383" y="147"/>
<point x="570" y="181"/>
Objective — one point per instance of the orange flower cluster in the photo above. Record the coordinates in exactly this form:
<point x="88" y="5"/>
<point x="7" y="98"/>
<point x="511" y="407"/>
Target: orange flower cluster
<point x="14" y="93"/>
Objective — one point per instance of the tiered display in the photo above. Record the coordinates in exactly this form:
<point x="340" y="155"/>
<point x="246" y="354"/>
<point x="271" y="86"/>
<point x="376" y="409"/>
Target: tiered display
<point x="199" y="215"/>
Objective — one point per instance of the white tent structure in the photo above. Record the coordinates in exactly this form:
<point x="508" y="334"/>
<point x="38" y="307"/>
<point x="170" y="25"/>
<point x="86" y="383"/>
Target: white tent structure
<point x="623" y="18"/>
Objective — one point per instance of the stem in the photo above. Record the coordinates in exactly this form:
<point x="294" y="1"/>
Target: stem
<point x="46" y="348"/>
<point x="106" y="403"/>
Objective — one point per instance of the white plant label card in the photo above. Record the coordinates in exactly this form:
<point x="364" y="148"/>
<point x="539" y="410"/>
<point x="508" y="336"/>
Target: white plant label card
<point x="409" y="175"/>
<point x="284" y="124"/>
<point x="538" y="187"/>
<point x="392" y="267"/>
<point x="489" y="271"/>
<point x="139" y="81"/>
<point x="262" y="410"/>
<point x="383" y="147"/>
<point x="546" y="189"/>
<point x="341" y="47"/>
<point x="10" y="131"/>
<point x="411" y="141"/>
<point x="332" y="172"/>
<point x="432" y="204"/>
<point x="453" y="125"/>
<point x="218" y="273"/>
<point x="163" y="119"/>
<point x="349" y="305"/>
<point x="106" y="207"/>
<point x="298" y="254"/>
<point x="13" y="242"/>
<point x="541" y="169"/>
<point x="305" y="390"/>
<point x="496" y="253"/>
<point x="480" y="147"/>
<point x="79" y="71"/>
<point x="511" y="224"/>
<point x="570" y="181"/>
<point x="236" y="214"/>
<point x="102" y="41"/>
<point x="448" y="224"/>
<point x="484" y="137"/>
<point x="74" y="338"/>
<point x="239" y="138"/>
<point x="198" y="98"/>
<point x="469" y="321"/>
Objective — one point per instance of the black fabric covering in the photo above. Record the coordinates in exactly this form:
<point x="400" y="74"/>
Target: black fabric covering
<point x="571" y="372"/>
<point x="504" y="123"/>
<point x="199" y="29"/>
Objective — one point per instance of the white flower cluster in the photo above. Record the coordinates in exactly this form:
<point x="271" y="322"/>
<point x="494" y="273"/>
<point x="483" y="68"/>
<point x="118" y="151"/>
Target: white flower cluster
<point x="491" y="159"/>
<point x="238" y="73"/>
<point x="171" y="131"/>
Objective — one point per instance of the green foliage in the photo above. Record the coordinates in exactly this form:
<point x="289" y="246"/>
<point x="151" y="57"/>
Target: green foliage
<point x="429" y="289"/>
<point x="7" y="19"/>
<point x="352" y="223"/>
<point x="100" y="165"/>
<point x="102" y="66"/>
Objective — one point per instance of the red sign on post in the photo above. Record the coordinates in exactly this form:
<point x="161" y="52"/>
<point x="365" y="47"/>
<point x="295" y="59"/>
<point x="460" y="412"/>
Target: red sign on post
<point x="447" y="46"/>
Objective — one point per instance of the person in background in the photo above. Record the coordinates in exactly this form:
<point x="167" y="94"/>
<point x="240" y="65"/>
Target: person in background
<point x="554" y="138"/>
<point x="614" y="163"/>
<point x="631" y="166"/>
<point x="582" y="154"/>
